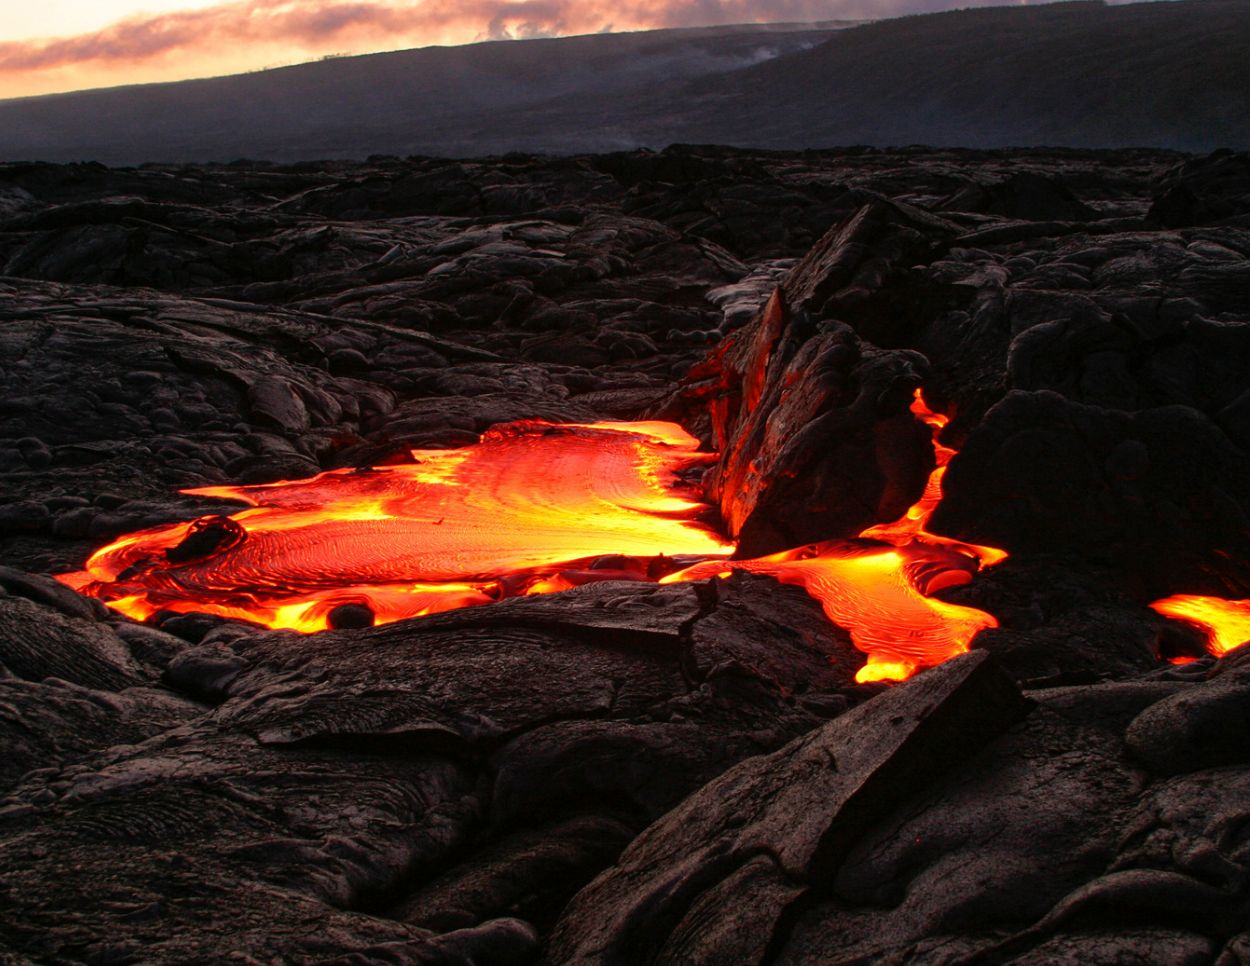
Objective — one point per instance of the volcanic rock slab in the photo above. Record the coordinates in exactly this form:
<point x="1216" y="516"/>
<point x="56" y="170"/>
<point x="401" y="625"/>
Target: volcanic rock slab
<point x="799" y="414"/>
<point x="1161" y="493"/>
<point x="752" y="838"/>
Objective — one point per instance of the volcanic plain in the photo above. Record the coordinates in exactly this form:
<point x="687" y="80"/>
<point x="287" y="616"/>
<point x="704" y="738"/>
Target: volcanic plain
<point x="633" y="772"/>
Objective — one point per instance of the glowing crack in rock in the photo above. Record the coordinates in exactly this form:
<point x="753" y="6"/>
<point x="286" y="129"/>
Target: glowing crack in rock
<point x="879" y="594"/>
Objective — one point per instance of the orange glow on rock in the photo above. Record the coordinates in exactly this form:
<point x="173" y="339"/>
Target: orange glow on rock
<point x="1225" y="622"/>
<point x="880" y="594"/>
<point x="532" y="508"/>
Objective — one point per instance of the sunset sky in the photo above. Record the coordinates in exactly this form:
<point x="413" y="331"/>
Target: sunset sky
<point x="60" y="45"/>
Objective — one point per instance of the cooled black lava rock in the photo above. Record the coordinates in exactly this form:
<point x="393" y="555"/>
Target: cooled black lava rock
<point x="348" y="616"/>
<point x="1205" y="191"/>
<point x="206" y="538"/>
<point x="479" y="786"/>
<point x="1023" y="196"/>
<point x="1162" y="494"/>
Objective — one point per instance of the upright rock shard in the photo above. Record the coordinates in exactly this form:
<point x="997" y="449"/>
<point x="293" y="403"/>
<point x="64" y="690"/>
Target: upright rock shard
<point x="814" y="431"/>
<point x="812" y="422"/>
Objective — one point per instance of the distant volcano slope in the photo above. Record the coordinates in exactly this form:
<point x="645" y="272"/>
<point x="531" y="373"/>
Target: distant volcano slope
<point x="432" y="100"/>
<point x="1069" y="74"/>
<point x="1159" y="74"/>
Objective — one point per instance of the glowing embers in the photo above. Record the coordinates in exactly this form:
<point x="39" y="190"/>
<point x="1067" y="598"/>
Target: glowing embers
<point x="1225" y="622"/>
<point x="532" y="508"/>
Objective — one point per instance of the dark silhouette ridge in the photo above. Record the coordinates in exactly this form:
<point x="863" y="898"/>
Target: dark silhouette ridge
<point x="432" y="100"/>
<point x="1162" y="74"/>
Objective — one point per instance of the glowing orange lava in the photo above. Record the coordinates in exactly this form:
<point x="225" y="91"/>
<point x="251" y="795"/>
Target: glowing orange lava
<point x="879" y="594"/>
<point x="910" y="527"/>
<point x="532" y="508"/>
<point x="539" y="508"/>
<point x="1225" y="622"/>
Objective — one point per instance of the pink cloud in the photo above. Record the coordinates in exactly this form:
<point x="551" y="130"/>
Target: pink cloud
<point x="303" y="24"/>
<point x="313" y="25"/>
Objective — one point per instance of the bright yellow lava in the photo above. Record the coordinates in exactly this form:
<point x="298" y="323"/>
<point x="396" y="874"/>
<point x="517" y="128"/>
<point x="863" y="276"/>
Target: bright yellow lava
<point x="1226" y="622"/>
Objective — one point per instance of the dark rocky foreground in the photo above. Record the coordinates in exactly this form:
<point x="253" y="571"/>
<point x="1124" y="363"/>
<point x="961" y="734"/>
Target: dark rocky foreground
<point x="627" y="773"/>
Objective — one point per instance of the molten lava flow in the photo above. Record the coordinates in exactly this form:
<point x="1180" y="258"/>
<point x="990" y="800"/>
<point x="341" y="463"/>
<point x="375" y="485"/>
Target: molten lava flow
<point x="1225" y="622"/>
<point x="879" y="594"/>
<point x="536" y="508"/>
<point x="532" y="508"/>
<point x="910" y="527"/>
